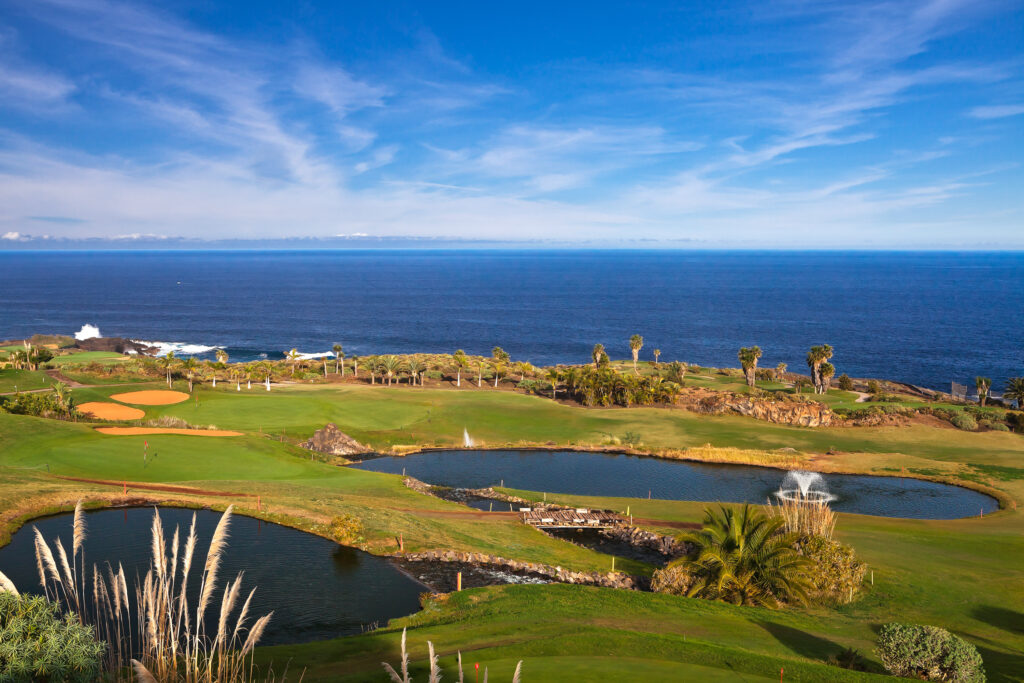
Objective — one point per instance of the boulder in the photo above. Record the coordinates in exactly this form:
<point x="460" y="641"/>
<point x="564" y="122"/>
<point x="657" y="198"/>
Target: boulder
<point x="117" y="345"/>
<point x="333" y="441"/>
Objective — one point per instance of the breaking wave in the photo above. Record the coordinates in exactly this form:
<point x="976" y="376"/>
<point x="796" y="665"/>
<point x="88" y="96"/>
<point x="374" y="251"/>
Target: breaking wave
<point x="179" y="348"/>
<point x="88" y="332"/>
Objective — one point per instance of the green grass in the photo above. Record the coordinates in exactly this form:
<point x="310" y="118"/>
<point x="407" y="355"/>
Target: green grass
<point x="965" y="575"/>
<point x="23" y="380"/>
<point x="83" y="357"/>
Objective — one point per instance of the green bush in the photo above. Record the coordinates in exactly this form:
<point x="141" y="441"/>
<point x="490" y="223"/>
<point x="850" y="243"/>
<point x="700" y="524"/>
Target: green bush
<point x="38" y="644"/>
<point x="965" y="422"/>
<point x="347" y="530"/>
<point x="929" y="653"/>
<point x="994" y="425"/>
<point x="836" y="575"/>
<point x="435" y="374"/>
<point x="845" y="383"/>
<point x="874" y="387"/>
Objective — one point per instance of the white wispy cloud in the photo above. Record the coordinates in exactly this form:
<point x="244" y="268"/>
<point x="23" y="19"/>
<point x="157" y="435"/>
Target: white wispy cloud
<point x="997" y="111"/>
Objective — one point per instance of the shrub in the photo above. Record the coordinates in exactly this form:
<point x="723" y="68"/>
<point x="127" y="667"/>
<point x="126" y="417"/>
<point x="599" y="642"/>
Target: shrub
<point x="845" y="383"/>
<point x="930" y="653"/>
<point x="994" y="425"/>
<point x="965" y="422"/>
<point x="347" y="530"/>
<point x="435" y="374"/>
<point x="40" y="644"/>
<point x="874" y="387"/>
<point x="672" y="580"/>
<point x="836" y="575"/>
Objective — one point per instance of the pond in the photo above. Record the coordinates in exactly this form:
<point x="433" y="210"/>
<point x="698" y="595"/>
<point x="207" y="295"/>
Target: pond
<point x="316" y="588"/>
<point x="600" y="474"/>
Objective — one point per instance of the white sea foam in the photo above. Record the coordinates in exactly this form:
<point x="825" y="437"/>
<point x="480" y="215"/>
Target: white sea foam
<point x="311" y="356"/>
<point x="179" y="348"/>
<point x="88" y="332"/>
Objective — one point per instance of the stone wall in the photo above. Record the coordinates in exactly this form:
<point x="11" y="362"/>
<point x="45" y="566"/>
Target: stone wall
<point x="609" y="580"/>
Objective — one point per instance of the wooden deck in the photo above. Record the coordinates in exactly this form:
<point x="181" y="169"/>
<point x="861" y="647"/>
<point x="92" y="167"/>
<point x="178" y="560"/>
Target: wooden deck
<point x="579" y="518"/>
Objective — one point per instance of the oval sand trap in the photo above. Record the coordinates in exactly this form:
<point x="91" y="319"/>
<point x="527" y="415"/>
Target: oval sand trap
<point x="151" y="398"/>
<point x="111" y="411"/>
<point x="127" y="431"/>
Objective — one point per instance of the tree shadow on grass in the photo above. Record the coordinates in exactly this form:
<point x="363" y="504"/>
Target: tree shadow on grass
<point x="1002" y="667"/>
<point x="1006" y="619"/>
<point x="809" y="645"/>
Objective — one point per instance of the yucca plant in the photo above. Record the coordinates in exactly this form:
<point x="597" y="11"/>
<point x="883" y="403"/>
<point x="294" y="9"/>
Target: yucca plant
<point x="173" y="643"/>
<point x="435" y="668"/>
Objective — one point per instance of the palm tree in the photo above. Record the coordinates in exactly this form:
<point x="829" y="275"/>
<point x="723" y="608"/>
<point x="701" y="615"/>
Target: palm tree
<point x="222" y="358"/>
<point x="815" y="357"/>
<point x="293" y="357"/>
<point x="780" y="371"/>
<point x="416" y="370"/>
<point x="355" y="366"/>
<point x="983" y="384"/>
<point x="461" y="362"/>
<point x="741" y="556"/>
<point x="1015" y="391"/>
<point x="189" y="365"/>
<point x="390" y="366"/>
<point x="748" y="361"/>
<point x="168" y="362"/>
<point x="636" y="342"/>
<point x="237" y="373"/>
<point x="480" y="372"/>
<point x="499" y="367"/>
<point x="62" y="395"/>
<point x="597" y="354"/>
<point x="554" y="376"/>
<point x="657" y="355"/>
<point x="825" y="373"/>
<point x="339" y="356"/>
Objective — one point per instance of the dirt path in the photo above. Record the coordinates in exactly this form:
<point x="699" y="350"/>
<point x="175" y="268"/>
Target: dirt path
<point x="861" y="396"/>
<point x="60" y="377"/>
<point x="160" y="487"/>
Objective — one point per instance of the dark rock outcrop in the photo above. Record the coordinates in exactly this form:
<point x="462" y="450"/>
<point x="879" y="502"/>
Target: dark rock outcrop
<point x="333" y="441"/>
<point x="769" y="409"/>
<point x="115" y="344"/>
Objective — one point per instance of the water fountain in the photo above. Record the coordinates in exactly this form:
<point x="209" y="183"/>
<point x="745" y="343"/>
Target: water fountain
<point x="804" y="486"/>
<point x="466" y="441"/>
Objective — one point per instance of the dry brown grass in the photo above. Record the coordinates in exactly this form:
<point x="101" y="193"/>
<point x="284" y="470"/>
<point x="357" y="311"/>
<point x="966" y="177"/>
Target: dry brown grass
<point x="805" y="516"/>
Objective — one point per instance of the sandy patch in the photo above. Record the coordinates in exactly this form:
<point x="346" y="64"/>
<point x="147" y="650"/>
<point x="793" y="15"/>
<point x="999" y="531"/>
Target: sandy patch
<point x="111" y="411"/>
<point x="151" y="398"/>
<point x="125" y="431"/>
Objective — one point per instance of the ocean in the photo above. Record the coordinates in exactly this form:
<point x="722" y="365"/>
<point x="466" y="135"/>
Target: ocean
<point x="927" y="318"/>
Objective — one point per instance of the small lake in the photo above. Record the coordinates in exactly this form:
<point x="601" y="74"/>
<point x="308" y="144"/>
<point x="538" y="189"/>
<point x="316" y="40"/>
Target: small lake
<point x="599" y="474"/>
<point x="316" y="588"/>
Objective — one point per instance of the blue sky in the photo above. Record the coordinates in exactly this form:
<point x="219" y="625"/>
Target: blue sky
<point x="788" y="124"/>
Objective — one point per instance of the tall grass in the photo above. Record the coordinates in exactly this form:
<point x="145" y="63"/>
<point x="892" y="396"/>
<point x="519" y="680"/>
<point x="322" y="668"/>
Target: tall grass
<point x="402" y="676"/>
<point x="173" y="644"/>
<point x="805" y="516"/>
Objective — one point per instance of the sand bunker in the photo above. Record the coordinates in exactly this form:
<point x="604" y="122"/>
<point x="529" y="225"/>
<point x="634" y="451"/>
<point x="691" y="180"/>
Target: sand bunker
<point x="111" y="411"/>
<point x="151" y="398"/>
<point x="126" y="431"/>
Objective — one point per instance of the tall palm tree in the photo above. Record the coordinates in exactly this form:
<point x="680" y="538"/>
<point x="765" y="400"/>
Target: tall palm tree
<point x="222" y="358"/>
<point x="815" y="357"/>
<point x="741" y="556"/>
<point x="554" y="376"/>
<point x="293" y="357"/>
<point x="266" y="368"/>
<point x="339" y="356"/>
<point x="657" y="355"/>
<point x="416" y="370"/>
<point x="825" y="374"/>
<point x="355" y="366"/>
<point x="390" y="365"/>
<point x="461" y="363"/>
<point x="636" y="342"/>
<point x="499" y="367"/>
<point x="983" y="384"/>
<point x="1015" y="391"/>
<point x="748" y="361"/>
<point x="237" y="373"/>
<point x="780" y="372"/>
<point x="480" y="372"/>
<point x="597" y="354"/>
<point x="190" y="366"/>
<point x="168" y="362"/>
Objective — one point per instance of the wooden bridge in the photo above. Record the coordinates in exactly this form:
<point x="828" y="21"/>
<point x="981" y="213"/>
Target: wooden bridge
<point x="579" y="518"/>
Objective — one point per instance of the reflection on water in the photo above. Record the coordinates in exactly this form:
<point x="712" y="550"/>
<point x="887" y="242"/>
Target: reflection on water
<point x="316" y="588"/>
<point x="601" y="474"/>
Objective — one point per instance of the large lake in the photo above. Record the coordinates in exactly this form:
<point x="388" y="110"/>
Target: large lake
<point x="316" y="588"/>
<point x="926" y="318"/>
<point x="598" y="474"/>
